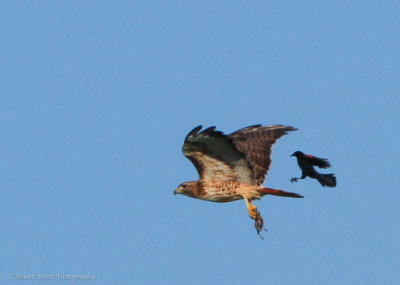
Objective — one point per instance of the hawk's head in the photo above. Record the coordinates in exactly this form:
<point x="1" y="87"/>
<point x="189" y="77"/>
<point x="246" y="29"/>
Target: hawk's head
<point x="189" y="188"/>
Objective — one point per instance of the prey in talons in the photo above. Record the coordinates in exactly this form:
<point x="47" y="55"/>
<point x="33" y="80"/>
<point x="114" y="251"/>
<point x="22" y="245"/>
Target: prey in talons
<point x="259" y="224"/>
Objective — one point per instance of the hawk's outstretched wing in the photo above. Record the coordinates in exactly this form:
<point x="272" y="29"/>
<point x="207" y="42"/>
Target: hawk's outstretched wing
<point x="215" y="157"/>
<point x="255" y="142"/>
<point x="242" y="156"/>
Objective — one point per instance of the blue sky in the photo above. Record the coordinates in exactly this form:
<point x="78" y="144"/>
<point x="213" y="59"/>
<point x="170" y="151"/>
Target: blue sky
<point x="97" y="97"/>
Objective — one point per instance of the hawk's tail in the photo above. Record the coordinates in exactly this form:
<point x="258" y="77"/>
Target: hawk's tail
<point x="269" y="191"/>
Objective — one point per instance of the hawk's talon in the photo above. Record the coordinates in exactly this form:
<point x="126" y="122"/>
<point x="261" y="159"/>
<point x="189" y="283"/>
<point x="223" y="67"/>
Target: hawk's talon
<point x="253" y="213"/>
<point x="251" y="209"/>
<point x="294" y="179"/>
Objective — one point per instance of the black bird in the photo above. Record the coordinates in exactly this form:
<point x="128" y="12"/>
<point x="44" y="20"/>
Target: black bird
<point x="306" y="163"/>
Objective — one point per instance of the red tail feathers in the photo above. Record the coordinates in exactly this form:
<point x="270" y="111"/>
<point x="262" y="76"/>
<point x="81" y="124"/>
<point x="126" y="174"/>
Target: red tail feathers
<point x="269" y="191"/>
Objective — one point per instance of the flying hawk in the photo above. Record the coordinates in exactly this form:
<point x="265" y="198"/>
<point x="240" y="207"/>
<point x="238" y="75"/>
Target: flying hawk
<point x="232" y="167"/>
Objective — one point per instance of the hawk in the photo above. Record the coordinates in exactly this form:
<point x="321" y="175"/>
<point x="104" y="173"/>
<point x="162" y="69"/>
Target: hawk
<point x="232" y="167"/>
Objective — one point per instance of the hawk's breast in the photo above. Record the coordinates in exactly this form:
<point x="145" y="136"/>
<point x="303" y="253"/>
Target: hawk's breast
<point x="225" y="191"/>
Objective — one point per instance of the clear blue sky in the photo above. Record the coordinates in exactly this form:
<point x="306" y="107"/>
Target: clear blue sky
<point x="97" y="96"/>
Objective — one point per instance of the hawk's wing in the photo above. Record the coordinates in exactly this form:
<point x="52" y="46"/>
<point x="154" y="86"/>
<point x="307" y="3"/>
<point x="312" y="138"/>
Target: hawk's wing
<point x="255" y="142"/>
<point x="243" y="156"/>
<point x="215" y="156"/>
<point x="320" y="162"/>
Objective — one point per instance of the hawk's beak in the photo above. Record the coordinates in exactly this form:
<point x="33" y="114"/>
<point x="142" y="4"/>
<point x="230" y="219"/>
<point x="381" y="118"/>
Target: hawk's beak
<point x="176" y="191"/>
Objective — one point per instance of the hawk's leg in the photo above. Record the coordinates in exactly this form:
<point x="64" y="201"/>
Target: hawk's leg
<point x="251" y="209"/>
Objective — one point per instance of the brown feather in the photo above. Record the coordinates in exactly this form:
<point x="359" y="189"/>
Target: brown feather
<point x="216" y="157"/>
<point x="255" y="142"/>
<point x="242" y="156"/>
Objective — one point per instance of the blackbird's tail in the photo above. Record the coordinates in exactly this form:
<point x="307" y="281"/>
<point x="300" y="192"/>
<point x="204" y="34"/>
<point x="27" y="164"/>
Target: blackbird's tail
<point x="327" y="180"/>
<point x="269" y="191"/>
